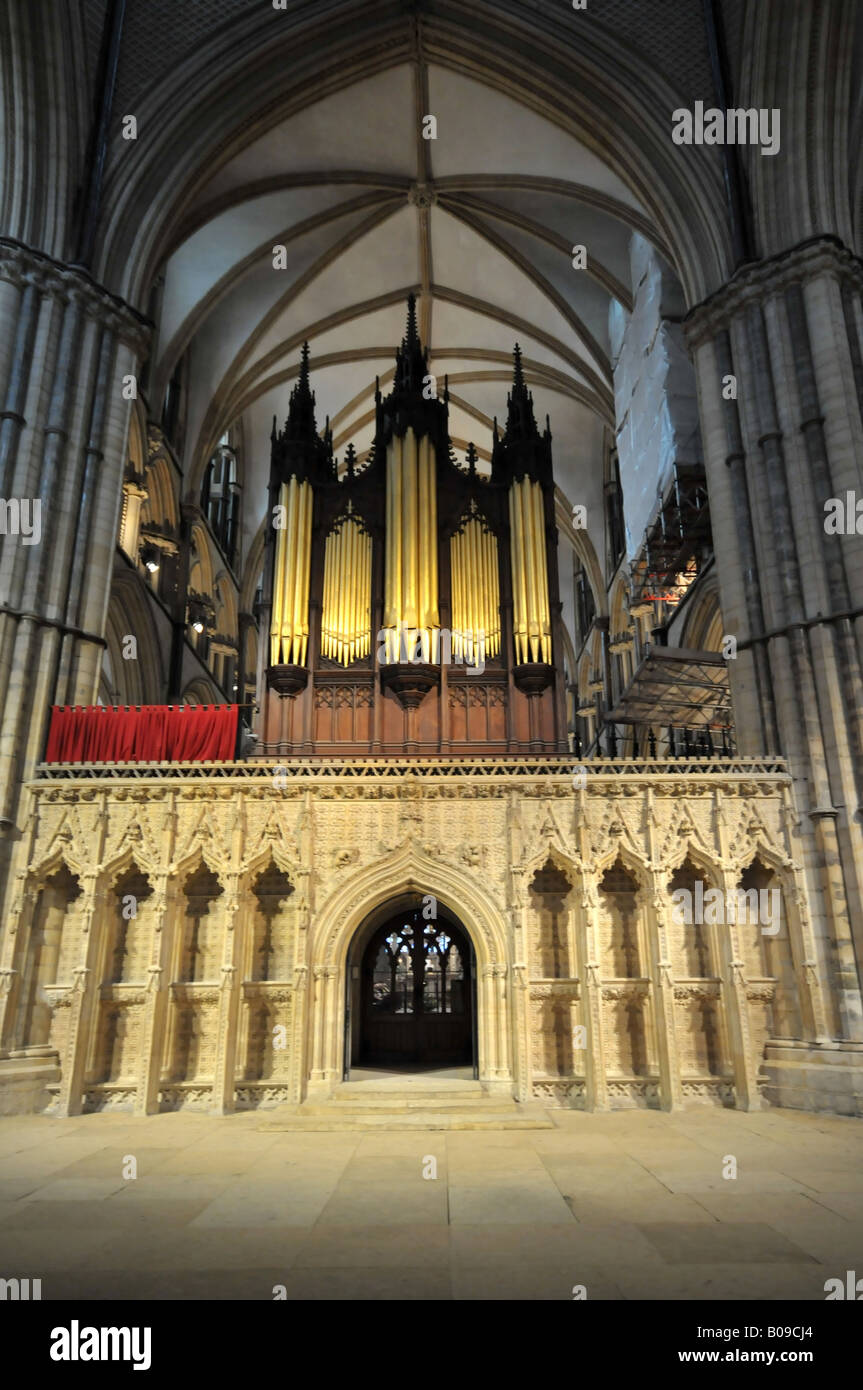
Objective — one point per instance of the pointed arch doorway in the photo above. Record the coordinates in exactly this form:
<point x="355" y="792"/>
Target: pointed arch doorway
<point x="411" y="992"/>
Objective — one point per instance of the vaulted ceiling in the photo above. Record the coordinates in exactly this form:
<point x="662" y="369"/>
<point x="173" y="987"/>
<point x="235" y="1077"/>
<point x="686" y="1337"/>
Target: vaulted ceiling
<point x="480" y="222"/>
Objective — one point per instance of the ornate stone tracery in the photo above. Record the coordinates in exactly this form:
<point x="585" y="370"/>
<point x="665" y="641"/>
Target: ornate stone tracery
<point x="227" y="989"/>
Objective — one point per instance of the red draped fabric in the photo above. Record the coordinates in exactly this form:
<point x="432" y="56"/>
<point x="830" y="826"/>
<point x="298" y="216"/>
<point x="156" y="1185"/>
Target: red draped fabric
<point x="147" y="734"/>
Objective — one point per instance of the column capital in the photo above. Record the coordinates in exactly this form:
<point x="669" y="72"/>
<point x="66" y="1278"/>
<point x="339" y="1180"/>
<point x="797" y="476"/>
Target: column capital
<point x="756" y="282"/>
<point x="20" y="265"/>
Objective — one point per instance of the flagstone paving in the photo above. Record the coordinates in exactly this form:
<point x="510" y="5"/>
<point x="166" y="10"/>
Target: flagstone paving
<point x="631" y="1204"/>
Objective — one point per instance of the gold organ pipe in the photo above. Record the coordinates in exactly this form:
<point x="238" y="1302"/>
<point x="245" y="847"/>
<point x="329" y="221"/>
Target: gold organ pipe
<point x="519" y="588"/>
<point x="389" y="607"/>
<point x="332" y="612"/>
<point x="291" y="614"/>
<point x="328" y="623"/>
<point x="464" y="580"/>
<point x="531" y="613"/>
<point x="530" y="539"/>
<point x="542" y="574"/>
<point x="289" y="622"/>
<point x="457" y="602"/>
<point x="276" y="614"/>
<point x="329" y="617"/>
<point x="532" y="576"/>
<point x="453" y="592"/>
<point x="305" y="570"/>
<point x="369" y="590"/>
<point x="325" y="598"/>
<point x="487" y="617"/>
<point x="363" y="625"/>
<point x="410" y="562"/>
<point x="495" y="574"/>
<point x="464" y="548"/>
<point x="423" y="557"/>
<point x="365" y="588"/>
<point x="477" y="591"/>
<point x="362" y="622"/>
<point x="346" y="636"/>
<point x="468" y="584"/>
<point x="524" y="576"/>
<point x="357" y="573"/>
<point x="351" y="593"/>
<point x="284" y="619"/>
<point x="493" y="599"/>
<point x="411" y="571"/>
<point x="395" y="541"/>
<point x="461" y="618"/>
<point x="289" y="567"/>
<point x="431" y="616"/>
<point x="347" y="616"/>
<point x="341" y="605"/>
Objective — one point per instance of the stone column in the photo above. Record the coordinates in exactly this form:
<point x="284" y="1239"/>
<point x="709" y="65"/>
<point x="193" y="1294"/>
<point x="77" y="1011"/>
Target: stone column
<point x="732" y="971"/>
<point x="84" y="998"/>
<point x="300" y="1018"/>
<point x="488" y="1033"/>
<point x="502" y="1013"/>
<point x="67" y="345"/>
<point x="318" y="1005"/>
<point x="8" y="982"/>
<point x="14" y="945"/>
<point x="333" y="1028"/>
<point x="229" y="1006"/>
<point x="775" y="353"/>
<point x="521" y="1011"/>
<point x="595" y="1083"/>
<point x="152" y="1047"/>
<point x="662" y="989"/>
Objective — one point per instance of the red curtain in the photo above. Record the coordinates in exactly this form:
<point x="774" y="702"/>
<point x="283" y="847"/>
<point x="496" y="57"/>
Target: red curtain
<point x="147" y="734"/>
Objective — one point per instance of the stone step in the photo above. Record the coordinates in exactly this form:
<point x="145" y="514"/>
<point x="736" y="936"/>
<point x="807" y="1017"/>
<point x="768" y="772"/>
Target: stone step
<point x="334" y="1118"/>
<point x="416" y="1086"/>
<point x="381" y="1101"/>
<point x="409" y="1107"/>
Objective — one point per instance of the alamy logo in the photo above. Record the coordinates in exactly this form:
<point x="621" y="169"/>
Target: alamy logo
<point x="736" y="126"/>
<point x="717" y="908"/>
<point x="76" y="1343"/>
<point x="414" y="646"/>
<point x="851" y="1289"/>
<point x="19" y="1290"/>
<point x="21" y="516"/>
<point x="844" y="515"/>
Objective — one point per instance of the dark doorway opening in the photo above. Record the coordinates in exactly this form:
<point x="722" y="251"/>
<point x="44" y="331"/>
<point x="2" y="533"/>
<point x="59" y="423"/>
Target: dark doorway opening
<point x="416" y="997"/>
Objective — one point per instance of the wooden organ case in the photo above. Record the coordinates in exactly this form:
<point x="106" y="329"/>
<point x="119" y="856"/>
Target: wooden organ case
<point x="411" y="605"/>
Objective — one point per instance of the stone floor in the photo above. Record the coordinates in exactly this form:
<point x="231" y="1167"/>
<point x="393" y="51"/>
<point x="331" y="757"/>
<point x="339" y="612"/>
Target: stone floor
<point x="631" y="1205"/>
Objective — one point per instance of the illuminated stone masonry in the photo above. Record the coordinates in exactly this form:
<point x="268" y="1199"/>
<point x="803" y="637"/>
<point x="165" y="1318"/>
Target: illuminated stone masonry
<point x="180" y="936"/>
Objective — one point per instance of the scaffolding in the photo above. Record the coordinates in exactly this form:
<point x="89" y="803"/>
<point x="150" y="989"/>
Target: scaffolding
<point x="675" y="541"/>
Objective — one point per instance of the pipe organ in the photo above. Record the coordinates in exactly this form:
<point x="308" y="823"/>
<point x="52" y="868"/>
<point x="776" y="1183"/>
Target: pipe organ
<point x="411" y="616"/>
<point x="475" y="593"/>
<point x="345" y="619"/>
<point x="411" y="600"/>
<point x="289" y="626"/>
<point x="531" y="618"/>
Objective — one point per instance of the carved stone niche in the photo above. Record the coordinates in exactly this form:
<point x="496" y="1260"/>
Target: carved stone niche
<point x="409" y="681"/>
<point x="533" y="677"/>
<point x="287" y="680"/>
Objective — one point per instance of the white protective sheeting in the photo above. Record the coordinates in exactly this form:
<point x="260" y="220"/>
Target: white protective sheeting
<point x="654" y="391"/>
